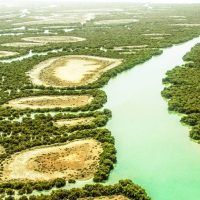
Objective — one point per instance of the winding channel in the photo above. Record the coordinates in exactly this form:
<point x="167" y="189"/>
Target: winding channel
<point x="154" y="149"/>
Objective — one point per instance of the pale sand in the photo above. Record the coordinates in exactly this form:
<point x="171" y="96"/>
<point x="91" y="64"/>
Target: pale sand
<point x="116" y="21"/>
<point x="156" y="34"/>
<point x="177" y="16"/>
<point x="7" y="53"/>
<point x="62" y="18"/>
<point x="36" y="102"/>
<point x="43" y="40"/>
<point x="74" y="121"/>
<point x="2" y="150"/>
<point x="74" y="70"/>
<point x="157" y="38"/>
<point x="114" y="197"/>
<point x="187" y="25"/>
<point x="70" y="71"/>
<point x="121" y="48"/>
<point x="75" y="160"/>
<point x="53" y="39"/>
<point x="22" y="44"/>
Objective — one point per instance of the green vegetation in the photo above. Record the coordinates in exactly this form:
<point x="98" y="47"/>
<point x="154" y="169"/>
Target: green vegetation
<point x="184" y="91"/>
<point x="125" y="188"/>
<point x="24" y="129"/>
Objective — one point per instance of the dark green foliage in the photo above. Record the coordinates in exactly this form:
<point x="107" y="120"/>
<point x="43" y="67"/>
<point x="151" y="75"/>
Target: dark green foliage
<point x="184" y="91"/>
<point x="71" y="181"/>
<point x="124" y="187"/>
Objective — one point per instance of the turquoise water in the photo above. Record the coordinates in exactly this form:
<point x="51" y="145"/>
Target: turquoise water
<point x="154" y="148"/>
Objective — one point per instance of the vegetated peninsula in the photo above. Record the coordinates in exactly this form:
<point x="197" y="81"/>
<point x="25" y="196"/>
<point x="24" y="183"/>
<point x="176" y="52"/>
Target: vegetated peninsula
<point x="52" y="67"/>
<point x="184" y="91"/>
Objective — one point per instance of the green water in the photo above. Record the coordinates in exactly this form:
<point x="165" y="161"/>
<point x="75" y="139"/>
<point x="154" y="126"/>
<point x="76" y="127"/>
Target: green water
<point x="154" y="148"/>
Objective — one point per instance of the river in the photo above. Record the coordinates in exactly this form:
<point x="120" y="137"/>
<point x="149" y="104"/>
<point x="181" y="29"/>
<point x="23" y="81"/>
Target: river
<point x="154" y="148"/>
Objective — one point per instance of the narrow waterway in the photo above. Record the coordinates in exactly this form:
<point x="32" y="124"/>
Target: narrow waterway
<point x="154" y="149"/>
<point x="29" y="55"/>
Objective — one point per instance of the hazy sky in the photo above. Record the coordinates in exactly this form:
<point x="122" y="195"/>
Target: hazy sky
<point x="31" y="2"/>
<point x="152" y="1"/>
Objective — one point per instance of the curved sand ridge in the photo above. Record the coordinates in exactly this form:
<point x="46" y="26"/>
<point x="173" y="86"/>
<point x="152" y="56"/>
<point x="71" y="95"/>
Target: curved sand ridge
<point x="71" y="71"/>
<point x="7" y="53"/>
<point x="44" y="40"/>
<point x="36" y="102"/>
<point x="74" y="160"/>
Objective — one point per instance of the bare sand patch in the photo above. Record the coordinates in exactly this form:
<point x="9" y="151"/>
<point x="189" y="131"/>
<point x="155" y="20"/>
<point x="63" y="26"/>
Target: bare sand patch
<point x="186" y="25"/>
<point x="156" y="34"/>
<point x="74" y="121"/>
<point x="36" y="102"/>
<point x="116" y="21"/>
<point x="7" y="53"/>
<point x="114" y="197"/>
<point x="22" y="44"/>
<point x="2" y="150"/>
<point x="157" y="38"/>
<point x="53" y="39"/>
<point x="177" y="16"/>
<point x="75" y="160"/>
<point x="70" y="71"/>
<point x="43" y="40"/>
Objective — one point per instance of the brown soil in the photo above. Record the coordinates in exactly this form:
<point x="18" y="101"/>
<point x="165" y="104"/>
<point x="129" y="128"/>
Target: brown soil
<point x="43" y="40"/>
<point x="74" y="121"/>
<point x="50" y="102"/>
<point x="7" y="53"/>
<point x="75" y="160"/>
<point x="70" y="71"/>
<point x="53" y="39"/>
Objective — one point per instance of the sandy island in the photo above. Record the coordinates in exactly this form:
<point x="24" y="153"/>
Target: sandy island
<point x="7" y="53"/>
<point x="43" y="40"/>
<point x="36" y="102"/>
<point x="70" y="71"/>
<point x="74" y="160"/>
<point x="74" y="121"/>
<point x="53" y="39"/>
<point x="22" y="44"/>
<point x="187" y="25"/>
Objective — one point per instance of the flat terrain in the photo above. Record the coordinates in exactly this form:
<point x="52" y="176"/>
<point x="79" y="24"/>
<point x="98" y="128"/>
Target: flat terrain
<point x="116" y="21"/>
<point x="74" y="121"/>
<point x="69" y="71"/>
<point x="7" y="53"/>
<point x="43" y="40"/>
<point x="53" y="39"/>
<point x="74" y="160"/>
<point x="22" y="44"/>
<point x="50" y="102"/>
